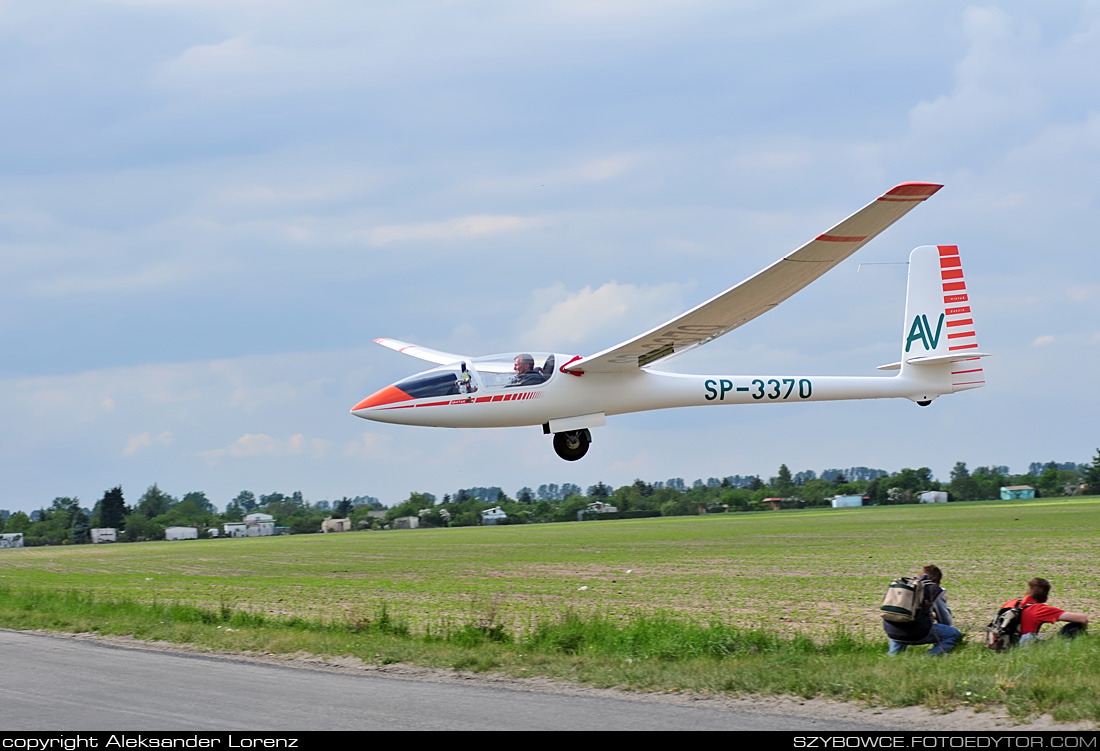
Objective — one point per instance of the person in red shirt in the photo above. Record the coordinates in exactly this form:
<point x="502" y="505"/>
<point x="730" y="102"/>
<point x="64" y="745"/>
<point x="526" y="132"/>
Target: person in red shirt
<point x="1036" y="612"/>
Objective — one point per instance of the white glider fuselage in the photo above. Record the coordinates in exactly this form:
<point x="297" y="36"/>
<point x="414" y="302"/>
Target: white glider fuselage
<point x="601" y="394"/>
<point x="568" y="394"/>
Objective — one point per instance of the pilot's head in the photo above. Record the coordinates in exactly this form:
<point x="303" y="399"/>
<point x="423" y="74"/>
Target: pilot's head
<point x="524" y="364"/>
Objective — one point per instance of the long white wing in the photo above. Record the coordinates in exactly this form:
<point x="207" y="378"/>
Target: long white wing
<point x="762" y="292"/>
<point x="423" y="353"/>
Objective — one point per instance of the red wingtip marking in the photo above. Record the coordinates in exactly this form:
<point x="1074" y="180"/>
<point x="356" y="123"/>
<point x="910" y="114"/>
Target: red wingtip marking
<point x="839" y="239"/>
<point x="914" y="189"/>
<point x="948" y="250"/>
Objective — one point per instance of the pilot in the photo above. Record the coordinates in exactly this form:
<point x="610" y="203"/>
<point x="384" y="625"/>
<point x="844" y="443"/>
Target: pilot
<point x="465" y="383"/>
<point x="526" y="375"/>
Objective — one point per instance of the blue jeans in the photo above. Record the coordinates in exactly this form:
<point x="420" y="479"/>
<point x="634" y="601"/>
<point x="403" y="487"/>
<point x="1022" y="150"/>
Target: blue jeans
<point x="944" y="637"/>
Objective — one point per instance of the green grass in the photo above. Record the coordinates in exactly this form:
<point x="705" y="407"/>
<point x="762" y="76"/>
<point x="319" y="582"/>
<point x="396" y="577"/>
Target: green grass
<point x="779" y="602"/>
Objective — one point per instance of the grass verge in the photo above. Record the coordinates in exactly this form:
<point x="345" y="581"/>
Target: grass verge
<point x="646" y="653"/>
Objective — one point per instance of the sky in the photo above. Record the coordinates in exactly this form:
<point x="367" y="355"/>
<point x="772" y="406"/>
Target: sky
<point x="209" y="211"/>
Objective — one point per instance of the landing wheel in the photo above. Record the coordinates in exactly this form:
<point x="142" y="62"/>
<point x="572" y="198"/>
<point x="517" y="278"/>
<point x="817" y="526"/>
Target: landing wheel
<point x="925" y="403"/>
<point x="573" y="445"/>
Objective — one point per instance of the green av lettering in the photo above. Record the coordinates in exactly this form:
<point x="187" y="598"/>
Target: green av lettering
<point x="922" y="330"/>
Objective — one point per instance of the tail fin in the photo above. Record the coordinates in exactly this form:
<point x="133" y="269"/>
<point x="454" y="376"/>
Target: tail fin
<point x="939" y="341"/>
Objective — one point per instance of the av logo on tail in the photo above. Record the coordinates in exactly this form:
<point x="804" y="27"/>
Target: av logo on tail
<point x="922" y="330"/>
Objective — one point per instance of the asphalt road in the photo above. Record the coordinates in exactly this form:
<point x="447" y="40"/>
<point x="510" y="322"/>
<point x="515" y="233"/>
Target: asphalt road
<point x="63" y="684"/>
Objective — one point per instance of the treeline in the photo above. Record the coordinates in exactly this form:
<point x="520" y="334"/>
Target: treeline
<point x="65" y="521"/>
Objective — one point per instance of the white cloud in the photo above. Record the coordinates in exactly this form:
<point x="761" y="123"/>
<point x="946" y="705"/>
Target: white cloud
<point x="1040" y="341"/>
<point x="597" y="170"/>
<point x="158" y="275"/>
<point x="994" y="81"/>
<point x="1082" y="292"/>
<point x="583" y="315"/>
<point x="144" y="440"/>
<point x="259" y="444"/>
<point x="373" y="446"/>
<point x="463" y="228"/>
<point x="235" y="56"/>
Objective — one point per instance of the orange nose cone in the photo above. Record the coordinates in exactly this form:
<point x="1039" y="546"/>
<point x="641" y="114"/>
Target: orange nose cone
<point x="388" y="395"/>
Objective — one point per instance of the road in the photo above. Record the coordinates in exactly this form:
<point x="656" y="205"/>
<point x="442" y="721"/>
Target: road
<point x="53" y="683"/>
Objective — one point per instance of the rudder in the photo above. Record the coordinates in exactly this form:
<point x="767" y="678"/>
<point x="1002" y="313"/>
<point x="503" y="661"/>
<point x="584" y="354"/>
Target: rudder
<point x="940" y="341"/>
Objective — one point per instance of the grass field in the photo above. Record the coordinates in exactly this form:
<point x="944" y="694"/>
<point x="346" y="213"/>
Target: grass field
<point x="814" y="577"/>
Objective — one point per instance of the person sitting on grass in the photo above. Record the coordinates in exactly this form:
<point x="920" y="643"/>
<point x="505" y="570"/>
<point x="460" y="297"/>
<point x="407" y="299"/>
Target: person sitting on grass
<point x="1036" y="612"/>
<point x="933" y="626"/>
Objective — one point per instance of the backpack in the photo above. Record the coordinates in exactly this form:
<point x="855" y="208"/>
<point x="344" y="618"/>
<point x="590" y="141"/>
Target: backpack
<point x="1004" y="630"/>
<point x="904" y="600"/>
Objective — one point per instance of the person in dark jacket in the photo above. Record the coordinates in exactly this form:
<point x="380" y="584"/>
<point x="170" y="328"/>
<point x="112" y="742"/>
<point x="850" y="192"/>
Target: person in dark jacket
<point x="934" y="626"/>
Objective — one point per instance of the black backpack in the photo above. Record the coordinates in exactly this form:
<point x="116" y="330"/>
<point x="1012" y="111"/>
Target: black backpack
<point x="1004" y="630"/>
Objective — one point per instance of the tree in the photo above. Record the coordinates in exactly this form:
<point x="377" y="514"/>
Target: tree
<point x="412" y="506"/>
<point x="783" y="482"/>
<point x="599" y="490"/>
<point x="112" y="508"/>
<point x="271" y="499"/>
<point x="246" y="501"/>
<point x="1092" y="476"/>
<point x="963" y="487"/>
<point x="525" y="495"/>
<point x="154" y="502"/>
<point x="18" y="522"/>
<point x="139" y="527"/>
<point x="342" y="509"/>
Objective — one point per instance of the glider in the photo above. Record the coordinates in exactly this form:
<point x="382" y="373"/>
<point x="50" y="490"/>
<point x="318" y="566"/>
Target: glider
<point x="569" y="394"/>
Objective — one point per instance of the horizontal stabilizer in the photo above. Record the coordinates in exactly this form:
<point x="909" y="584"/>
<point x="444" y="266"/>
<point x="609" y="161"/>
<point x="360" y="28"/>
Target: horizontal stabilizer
<point x="937" y="359"/>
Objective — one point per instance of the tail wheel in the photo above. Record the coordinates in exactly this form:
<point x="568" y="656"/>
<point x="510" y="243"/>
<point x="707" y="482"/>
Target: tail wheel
<point x="573" y="445"/>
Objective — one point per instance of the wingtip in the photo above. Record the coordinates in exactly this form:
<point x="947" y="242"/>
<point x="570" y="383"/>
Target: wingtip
<point x="913" y="190"/>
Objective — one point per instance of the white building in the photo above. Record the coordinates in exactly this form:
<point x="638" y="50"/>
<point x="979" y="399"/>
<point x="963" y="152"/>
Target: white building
<point x="11" y="540"/>
<point x="104" y="534"/>
<point x="235" y="529"/>
<point x="336" y="525"/>
<point x="847" y="501"/>
<point x="933" y="496"/>
<point x="493" y="516"/>
<point x="599" y="507"/>
<point x="257" y="518"/>
<point x="259" y="525"/>
<point x="181" y="533"/>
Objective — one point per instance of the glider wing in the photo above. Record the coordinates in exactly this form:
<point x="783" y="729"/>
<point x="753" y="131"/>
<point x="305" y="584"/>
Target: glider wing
<point x="423" y="353"/>
<point x="760" y="293"/>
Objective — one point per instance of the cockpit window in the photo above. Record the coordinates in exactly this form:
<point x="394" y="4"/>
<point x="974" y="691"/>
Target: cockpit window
<point x="514" y="370"/>
<point x="450" y="380"/>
